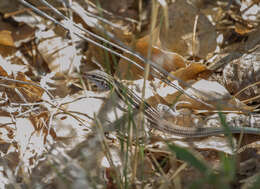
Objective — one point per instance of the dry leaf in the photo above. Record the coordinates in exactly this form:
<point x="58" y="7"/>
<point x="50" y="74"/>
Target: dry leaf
<point x="190" y="72"/>
<point x="19" y="33"/>
<point x="3" y="72"/>
<point x="30" y="143"/>
<point x="179" y="37"/>
<point x="57" y="52"/>
<point x="170" y="61"/>
<point x="41" y="125"/>
<point x="6" y="38"/>
<point x="7" y="130"/>
<point x="241" y="29"/>
<point x="31" y="93"/>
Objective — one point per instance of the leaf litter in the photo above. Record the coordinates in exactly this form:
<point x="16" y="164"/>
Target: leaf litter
<point x="48" y="115"/>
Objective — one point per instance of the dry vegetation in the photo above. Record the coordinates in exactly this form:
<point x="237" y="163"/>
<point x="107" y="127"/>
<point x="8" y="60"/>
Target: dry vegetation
<point x="58" y="130"/>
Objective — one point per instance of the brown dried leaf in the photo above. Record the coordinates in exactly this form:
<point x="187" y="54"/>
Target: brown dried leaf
<point x="3" y="72"/>
<point x="19" y="33"/>
<point x="7" y="130"/>
<point x="30" y="143"/>
<point x="190" y="72"/>
<point x="41" y="123"/>
<point x="179" y="37"/>
<point x="31" y="93"/>
<point x="155" y="100"/>
<point x="168" y="60"/>
<point x="57" y="52"/>
<point x="241" y="29"/>
<point x="6" y="38"/>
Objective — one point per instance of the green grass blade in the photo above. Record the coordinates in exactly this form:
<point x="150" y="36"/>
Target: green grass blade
<point x="185" y="155"/>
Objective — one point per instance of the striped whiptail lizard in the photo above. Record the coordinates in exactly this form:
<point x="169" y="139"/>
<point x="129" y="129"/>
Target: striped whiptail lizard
<point x="107" y="82"/>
